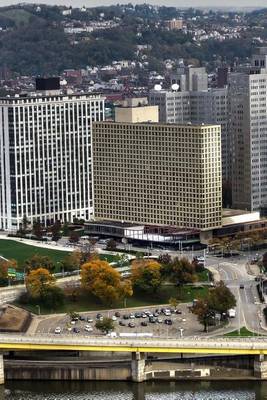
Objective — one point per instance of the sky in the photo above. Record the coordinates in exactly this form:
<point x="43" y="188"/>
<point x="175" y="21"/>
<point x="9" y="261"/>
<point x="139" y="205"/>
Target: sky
<point x="176" y="3"/>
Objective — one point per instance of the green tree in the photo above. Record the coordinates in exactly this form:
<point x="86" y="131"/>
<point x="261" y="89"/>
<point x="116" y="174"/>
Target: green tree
<point x="52" y="297"/>
<point x="74" y="237"/>
<point x="203" y="312"/>
<point x="221" y="299"/>
<point x="111" y="245"/>
<point x="56" y="231"/>
<point x="183" y="271"/>
<point x="146" y="275"/>
<point x="37" y="230"/>
<point x="37" y="261"/>
<point x="105" y="326"/>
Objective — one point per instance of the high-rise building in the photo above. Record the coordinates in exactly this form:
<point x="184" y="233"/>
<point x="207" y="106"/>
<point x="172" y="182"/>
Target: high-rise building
<point x="205" y="106"/>
<point x="158" y="174"/>
<point x="248" y="131"/>
<point x="45" y="156"/>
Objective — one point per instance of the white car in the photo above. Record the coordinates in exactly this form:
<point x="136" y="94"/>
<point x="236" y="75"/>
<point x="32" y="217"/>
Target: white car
<point x="73" y="322"/>
<point x="114" y="318"/>
<point x="90" y="320"/>
<point x="88" y="328"/>
<point x="58" y="330"/>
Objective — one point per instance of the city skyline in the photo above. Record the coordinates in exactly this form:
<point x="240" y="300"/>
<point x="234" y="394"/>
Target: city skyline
<point x="190" y="3"/>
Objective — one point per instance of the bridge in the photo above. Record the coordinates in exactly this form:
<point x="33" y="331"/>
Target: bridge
<point x="139" y="347"/>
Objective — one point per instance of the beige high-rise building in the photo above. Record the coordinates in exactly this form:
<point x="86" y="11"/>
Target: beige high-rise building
<point x="160" y="174"/>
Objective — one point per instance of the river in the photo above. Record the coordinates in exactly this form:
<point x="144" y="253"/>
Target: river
<point x="228" y="390"/>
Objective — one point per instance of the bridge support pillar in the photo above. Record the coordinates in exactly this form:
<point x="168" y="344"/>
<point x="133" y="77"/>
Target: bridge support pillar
<point x="138" y="367"/>
<point x="2" y="376"/>
<point x="260" y="367"/>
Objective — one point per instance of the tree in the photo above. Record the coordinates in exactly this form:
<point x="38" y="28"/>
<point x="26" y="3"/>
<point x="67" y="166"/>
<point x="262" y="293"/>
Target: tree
<point x="173" y="302"/>
<point x="37" y="229"/>
<point x="165" y="261"/>
<point x="146" y="275"/>
<point x="52" y="296"/>
<point x="37" y="261"/>
<point x="183" y="271"/>
<point x="218" y="300"/>
<point x="264" y="261"/>
<point x="4" y="265"/>
<point x="56" y="231"/>
<point x="204" y="313"/>
<point x="104" y="282"/>
<point x="74" y="237"/>
<point x="221" y="299"/>
<point x="72" y="261"/>
<point x="111" y="245"/>
<point x="37" y="282"/>
<point x="105" y="326"/>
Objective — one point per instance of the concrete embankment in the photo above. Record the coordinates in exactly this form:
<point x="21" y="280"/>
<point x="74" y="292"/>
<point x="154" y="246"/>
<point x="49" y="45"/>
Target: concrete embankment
<point x="217" y="368"/>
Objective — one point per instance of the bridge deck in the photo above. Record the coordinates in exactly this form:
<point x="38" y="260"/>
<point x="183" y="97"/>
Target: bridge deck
<point x="198" y="345"/>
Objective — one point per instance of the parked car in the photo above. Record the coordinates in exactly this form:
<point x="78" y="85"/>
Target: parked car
<point x="143" y="323"/>
<point x="131" y="325"/>
<point x="114" y="318"/>
<point x="117" y="314"/>
<point x="88" y="328"/>
<point x="58" y="330"/>
<point x="168" y="321"/>
<point x="89" y="319"/>
<point x="76" y="330"/>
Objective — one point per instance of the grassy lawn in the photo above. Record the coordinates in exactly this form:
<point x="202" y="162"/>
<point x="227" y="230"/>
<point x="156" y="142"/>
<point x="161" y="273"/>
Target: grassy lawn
<point x="203" y="276"/>
<point x="243" y="333"/>
<point x="21" y="252"/>
<point x="89" y="303"/>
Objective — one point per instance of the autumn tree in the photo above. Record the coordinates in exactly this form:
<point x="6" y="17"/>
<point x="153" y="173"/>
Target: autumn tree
<point x="146" y="275"/>
<point x="183" y="271"/>
<point x="41" y="288"/>
<point x="105" y="326"/>
<point x="104" y="282"/>
<point x="4" y="265"/>
<point x="37" y="281"/>
<point x="37" y="261"/>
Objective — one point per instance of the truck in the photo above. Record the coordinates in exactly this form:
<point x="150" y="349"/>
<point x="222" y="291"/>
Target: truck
<point x="232" y="313"/>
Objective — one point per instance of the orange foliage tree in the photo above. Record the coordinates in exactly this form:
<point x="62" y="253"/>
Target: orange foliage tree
<point x="38" y="281"/>
<point x="104" y="282"/>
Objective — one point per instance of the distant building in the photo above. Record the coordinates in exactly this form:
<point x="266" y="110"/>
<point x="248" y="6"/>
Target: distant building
<point x="137" y="114"/>
<point x="158" y="174"/>
<point x="45" y="155"/>
<point x="174" y="24"/>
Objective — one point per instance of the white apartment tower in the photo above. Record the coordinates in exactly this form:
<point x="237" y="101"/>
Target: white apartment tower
<point x="248" y="129"/>
<point x="45" y="156"/>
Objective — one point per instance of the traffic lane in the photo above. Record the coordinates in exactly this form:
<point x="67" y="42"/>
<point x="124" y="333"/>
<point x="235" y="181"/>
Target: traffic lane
<point x="185" y="321"/>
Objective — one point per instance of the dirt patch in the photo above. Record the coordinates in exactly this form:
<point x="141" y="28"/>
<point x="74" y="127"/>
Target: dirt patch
<point x="14" y="319"/>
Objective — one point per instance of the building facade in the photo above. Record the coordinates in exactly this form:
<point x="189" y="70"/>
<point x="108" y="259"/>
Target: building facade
<point x="45" y="157"/>
<point x="248" y="131"/>
<point x="205" y="106"/>
<point x="158" y="174"/>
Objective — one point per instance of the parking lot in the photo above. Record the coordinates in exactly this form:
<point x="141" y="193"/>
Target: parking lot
<point x="153" y="321"/>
